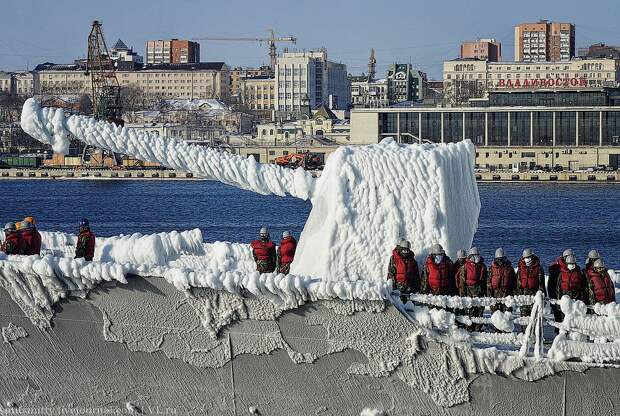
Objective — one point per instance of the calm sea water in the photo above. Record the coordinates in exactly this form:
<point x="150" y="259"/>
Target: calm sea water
<point x="547" y="217"/>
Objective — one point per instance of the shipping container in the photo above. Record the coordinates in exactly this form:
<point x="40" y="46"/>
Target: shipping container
<point x="22" y="161"/>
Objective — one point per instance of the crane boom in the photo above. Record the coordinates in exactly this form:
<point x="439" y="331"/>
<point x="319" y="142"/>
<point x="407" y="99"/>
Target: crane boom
<point x="271" y="41"/>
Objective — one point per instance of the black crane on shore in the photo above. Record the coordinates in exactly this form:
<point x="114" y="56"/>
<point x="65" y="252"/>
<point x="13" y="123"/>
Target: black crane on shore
<point x="106" y="90"/>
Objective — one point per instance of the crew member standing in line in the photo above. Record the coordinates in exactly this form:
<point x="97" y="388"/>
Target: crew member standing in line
<point x="264" y="252"/>
<point x="12" y="240"/>
<point x="286" y="252"/>
<point x="530" y="278"/>
<point x="31" y="239"/>
<point x="571" y="282"/>
<point x="403" y="270"/>
<point x="473" y="279"/>
<point x="36" y="236"/>
<point x="437" y="278"/>
<point x="85" y="248"/>
<point x="552" y="283"/>
<point x="600" y="287"/>
<point x="502" y="280"/>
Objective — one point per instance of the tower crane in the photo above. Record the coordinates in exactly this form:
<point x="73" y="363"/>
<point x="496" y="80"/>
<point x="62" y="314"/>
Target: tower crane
<point x="105" y="88"/>
<point x="271" y="41"/>
<point x="106" y="91"/>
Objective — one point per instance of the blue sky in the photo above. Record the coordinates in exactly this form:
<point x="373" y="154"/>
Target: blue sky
<point x="423" y="33"/>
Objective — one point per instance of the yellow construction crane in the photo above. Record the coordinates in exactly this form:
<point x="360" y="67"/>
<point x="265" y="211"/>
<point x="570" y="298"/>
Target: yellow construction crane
<point x="271" y="41"/>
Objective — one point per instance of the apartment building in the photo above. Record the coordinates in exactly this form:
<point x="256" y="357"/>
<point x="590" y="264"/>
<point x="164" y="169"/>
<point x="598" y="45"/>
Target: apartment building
<point x="307" y="80"/>
<point x="484" y="49"/>
<point x="544" y="41"/>
<point x="172" y="51"/>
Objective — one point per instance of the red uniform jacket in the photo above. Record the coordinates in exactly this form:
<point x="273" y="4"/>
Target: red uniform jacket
<point x="287" y="250"/>
<point x="32" y="241"/>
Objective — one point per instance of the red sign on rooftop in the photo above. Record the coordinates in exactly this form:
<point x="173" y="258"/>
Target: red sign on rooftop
<point x="542" y="83"/>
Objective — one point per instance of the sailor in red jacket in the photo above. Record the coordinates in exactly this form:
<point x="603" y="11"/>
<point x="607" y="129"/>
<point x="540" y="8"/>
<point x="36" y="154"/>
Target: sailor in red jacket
<point x="473" y="282"/>
<point x="530" y="278"/>
<point x="85" y="248"/>
<point x="600" y="287"/>
<point x="31" y="237"/>
<point x="437" y="278"/>
<point x="12" y="243"/>
<point x="552" y="282"/>
<point x="264" y="252"/>
<point x="286" y="252"/>
<point x="501" y="281"/>
<point x="403" y="269"/>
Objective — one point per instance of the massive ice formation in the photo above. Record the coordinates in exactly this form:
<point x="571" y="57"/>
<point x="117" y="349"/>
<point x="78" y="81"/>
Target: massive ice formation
<point x="365" y="200"/>
<point x="368" y="197"/>
<point x="49" y="125"/>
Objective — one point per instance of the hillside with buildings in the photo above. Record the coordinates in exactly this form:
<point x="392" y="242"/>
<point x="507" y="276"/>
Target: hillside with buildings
<point x="548" y="109"/>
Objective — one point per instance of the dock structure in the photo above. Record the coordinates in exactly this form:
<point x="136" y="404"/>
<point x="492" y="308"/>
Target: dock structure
<point x="495" y="176"/>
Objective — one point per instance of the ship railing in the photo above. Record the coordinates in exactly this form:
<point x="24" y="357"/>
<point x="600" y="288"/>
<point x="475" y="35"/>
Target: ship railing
<point x="587" y="333"/>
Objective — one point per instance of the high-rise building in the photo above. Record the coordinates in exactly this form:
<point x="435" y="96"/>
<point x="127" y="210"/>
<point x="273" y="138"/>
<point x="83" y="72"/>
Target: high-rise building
<point x="485" y="49"/>
<point x="306" y="80"/>
<point x="544" y="41"/>
<point x="172" y="51"/>
<point x="405" y="83"/>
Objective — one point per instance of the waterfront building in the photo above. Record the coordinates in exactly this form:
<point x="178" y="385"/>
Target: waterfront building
<point x="483" y="49"/>
<point x="306" y="80"/>
<point x="511" y="130"/>
<point x="544" y="41"/>
<point x="324" y="126"/>
<point x="172" y="51"/>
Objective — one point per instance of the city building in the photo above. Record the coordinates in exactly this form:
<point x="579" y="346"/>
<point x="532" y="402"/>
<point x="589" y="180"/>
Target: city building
<point x="517" y="132"/>
<point x="544" y="41"/>
<point x="600" y="50"/>
<point x="6" y="82"/>
<point x="193" y="120"/>
<point x="466" y="79"/>
<point x="182" y="81"/>
<point x="369" y="94"/>
<point x="238" y="73"/>
<point x="484" y="49"/>
<point x="324" y="126"/>
<point x="172" y="51"/>
<point x="405" y="83"/>
<point x="17" y="83"/>
<point x="124" y="57"/>
<point x="257" y="94"/>
<point x="306" y="80"/>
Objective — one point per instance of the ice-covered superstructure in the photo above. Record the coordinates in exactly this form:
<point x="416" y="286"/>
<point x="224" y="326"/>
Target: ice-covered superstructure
<point x="367" y="198"/>
<point x="370" y="196"/>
